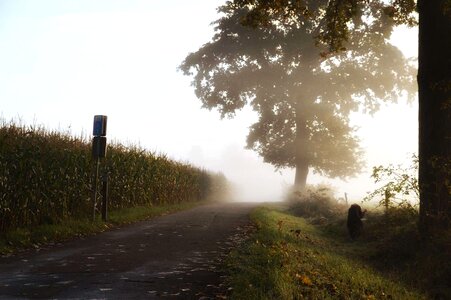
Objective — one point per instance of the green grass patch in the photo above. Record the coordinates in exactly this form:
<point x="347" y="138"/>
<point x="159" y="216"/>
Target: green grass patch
<point x="287" y="258"/>
<point x="24" y="238"/>
<point x="391" y="244"/>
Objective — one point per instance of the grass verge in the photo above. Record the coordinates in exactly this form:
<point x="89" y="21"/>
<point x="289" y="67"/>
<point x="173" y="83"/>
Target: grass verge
<point x="287" y="258"/>
<point x="24" y="238"/>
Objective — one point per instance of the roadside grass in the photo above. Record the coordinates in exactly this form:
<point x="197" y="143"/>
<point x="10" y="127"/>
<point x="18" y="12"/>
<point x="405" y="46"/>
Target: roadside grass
<point x="391" y="244"/>
<point x="24" y="238"/>
<point x="288" y="258"/>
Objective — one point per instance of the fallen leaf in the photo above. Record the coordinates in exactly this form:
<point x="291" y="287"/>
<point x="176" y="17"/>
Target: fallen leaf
<point x="304" y="279"/>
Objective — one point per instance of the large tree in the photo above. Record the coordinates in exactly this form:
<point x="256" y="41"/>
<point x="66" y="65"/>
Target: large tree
<point x="434" y="89"/>
<point x="302" y="94"/>
<point x="434" y="80"/>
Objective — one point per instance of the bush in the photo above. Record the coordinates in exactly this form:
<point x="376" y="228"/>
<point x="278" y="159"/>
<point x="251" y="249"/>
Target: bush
<point x="399" y="185"/>
<point x="316" y="203"/>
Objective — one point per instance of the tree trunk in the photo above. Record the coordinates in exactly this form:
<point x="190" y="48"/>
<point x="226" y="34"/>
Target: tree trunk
<point x="300" y="179"/>
<point x="434" y="89"/>
<point x="301" y="154"/>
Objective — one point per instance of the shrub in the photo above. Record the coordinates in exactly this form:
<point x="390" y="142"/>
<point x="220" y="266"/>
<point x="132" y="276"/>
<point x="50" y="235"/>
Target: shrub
<point x="399" y="186"/>
<point x="316" y="203"/>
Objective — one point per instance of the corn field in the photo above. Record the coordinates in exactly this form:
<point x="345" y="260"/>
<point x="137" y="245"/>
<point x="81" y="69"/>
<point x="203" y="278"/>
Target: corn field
<point x="46" y="177"/>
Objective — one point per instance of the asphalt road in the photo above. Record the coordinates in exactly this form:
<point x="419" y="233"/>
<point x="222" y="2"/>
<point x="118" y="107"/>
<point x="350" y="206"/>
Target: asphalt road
<point x="174" y="256"/>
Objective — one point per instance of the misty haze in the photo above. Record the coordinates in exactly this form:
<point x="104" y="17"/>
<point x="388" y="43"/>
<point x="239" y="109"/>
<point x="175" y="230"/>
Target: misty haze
<point x="225" y="149"/>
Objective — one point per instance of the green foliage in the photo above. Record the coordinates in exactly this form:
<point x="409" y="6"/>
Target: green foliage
<point x="289" y="259"/>
<point x="46" y="177"/>
<point x="399" y="186"/>
<point x="336" y="19"/>
<point x="394" y="234"/>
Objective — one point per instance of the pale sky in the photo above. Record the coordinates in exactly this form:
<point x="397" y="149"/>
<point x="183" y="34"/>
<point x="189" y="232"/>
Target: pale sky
<point x="64" y="61"/>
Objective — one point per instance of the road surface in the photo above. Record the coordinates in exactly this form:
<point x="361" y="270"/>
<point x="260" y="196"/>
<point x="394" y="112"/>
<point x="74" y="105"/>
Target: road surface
<point x="175" y="256"/>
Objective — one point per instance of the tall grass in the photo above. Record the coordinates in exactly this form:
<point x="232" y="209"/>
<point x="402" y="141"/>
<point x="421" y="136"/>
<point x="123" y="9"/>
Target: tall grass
<point x="46" y="177"/>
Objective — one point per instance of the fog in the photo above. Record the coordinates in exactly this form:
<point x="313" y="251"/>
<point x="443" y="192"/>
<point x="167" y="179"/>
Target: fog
<point x="251" y="179"/>
<point x="388" y="137"/>
<point x="61" y="64"/>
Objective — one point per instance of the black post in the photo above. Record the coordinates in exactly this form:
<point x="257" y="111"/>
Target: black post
<point x="105" y="196"/>
<point x="99" y="151"/>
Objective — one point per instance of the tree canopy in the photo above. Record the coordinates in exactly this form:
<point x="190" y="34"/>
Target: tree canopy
<point x="302" y="93"/>
<point x="336" y="19"/>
